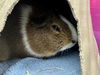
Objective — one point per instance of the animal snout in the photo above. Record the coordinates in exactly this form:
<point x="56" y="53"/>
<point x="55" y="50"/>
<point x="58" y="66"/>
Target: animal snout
<point x="73" y="41"/>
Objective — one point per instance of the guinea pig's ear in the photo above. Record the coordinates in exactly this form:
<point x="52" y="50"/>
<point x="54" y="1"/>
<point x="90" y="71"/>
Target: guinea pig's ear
<point x="38" y="20"/>
<point x="56" y="28"/>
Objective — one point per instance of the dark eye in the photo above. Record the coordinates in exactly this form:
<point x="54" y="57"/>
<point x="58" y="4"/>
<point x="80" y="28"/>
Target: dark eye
<point x="56" y="27"/>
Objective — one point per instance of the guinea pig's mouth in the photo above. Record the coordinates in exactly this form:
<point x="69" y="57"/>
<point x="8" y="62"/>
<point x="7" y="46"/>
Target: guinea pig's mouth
<point x="70" y="45"/>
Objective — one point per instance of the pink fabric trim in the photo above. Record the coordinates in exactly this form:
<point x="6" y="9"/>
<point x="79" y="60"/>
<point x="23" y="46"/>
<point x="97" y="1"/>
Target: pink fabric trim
<point x="95" y="13"/>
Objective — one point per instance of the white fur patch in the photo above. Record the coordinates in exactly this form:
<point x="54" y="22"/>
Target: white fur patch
<point x="73" y="32"/>
<point x="26" y="10"/>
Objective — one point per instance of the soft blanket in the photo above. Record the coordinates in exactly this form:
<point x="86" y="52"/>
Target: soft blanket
<point x="66" y="65"/>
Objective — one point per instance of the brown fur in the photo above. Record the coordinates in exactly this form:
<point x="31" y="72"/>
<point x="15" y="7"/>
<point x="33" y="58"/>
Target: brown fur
<point x="42" y="38"/>
<point x="45" y="38"/>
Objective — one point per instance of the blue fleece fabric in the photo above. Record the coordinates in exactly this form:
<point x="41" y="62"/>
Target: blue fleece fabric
<point x="64" y="65"/>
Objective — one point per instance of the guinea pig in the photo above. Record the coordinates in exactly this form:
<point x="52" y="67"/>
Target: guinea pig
<point x="37" y="33"/>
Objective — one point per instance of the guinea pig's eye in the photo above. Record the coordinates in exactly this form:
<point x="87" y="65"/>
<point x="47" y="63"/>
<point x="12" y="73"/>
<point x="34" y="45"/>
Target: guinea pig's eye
<point x="56" y="27"/>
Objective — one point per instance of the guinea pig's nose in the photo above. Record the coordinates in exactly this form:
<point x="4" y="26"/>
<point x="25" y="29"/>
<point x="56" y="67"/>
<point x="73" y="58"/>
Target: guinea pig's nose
<point x="73" y="41"/>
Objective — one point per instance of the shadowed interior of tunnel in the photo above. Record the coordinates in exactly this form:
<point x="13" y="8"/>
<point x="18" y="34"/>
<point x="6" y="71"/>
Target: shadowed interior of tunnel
<point x="62" y="7"/>
<point x="59" y="7"/>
